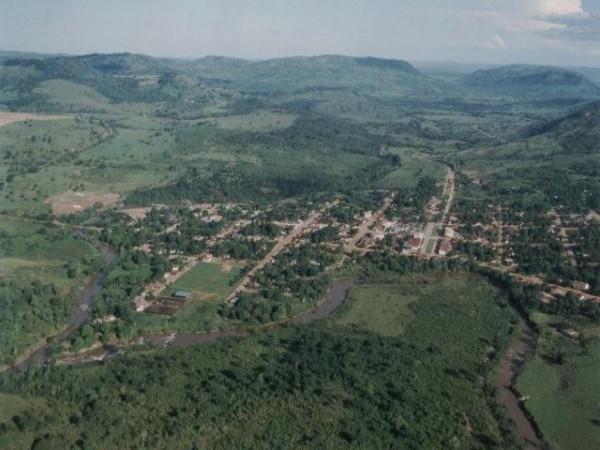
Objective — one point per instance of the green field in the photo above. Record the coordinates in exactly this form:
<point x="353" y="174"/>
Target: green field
<point x="565" y="395"/>
<point x="207" y="280"/>
<point x="209" y="283"/>
<point x="412" y="169"/>
<point x="34" y="251"/>
<point x="381" y="309"/>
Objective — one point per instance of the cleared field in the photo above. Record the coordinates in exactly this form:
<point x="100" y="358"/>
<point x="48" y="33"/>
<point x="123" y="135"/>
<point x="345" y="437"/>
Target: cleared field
<point x="256" y="121"/>
<point x="32" y="251"/>
<point x="73" y="202"/>
<point x="207" y="280"/>
<point x="382" y="309"/>
<point x="411" y="170"/>
<point x="11" y="117"/>
<point x="69" y="96"/>
<point x="563" y="384"/>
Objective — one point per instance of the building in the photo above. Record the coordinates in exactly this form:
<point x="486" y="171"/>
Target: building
<point x="448" y="233"/>
<point x="445" y="248"/>
<point x="581" y="285"/>
<point x="182" y="295"/>
<point x="412" y="245"/>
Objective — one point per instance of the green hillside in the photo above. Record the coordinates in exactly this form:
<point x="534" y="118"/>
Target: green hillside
<point x="532" y="82"/>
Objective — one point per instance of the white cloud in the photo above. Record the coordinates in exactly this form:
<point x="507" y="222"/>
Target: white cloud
<point x="559" y="7"/>
<point x="495" y="43"/>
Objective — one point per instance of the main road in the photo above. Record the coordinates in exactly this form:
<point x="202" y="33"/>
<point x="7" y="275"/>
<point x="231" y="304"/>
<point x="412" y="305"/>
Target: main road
<point x="448" y="192"/>
<point x="281" y="244"/>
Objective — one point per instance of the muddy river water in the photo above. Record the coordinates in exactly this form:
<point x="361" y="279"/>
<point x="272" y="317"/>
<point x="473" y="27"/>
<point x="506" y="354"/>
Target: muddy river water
<point x="521" y="345"/>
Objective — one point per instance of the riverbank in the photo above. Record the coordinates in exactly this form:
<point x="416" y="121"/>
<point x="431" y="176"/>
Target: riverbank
<point x="521" y="346"/>
<point x="84" y="302"/>
<point x="336" y="296"/>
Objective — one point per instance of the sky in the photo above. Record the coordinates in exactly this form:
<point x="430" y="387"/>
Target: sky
<point x="558" y="32"/>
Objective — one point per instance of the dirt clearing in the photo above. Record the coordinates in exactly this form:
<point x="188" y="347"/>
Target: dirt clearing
<point x="10" y="117"/>
<point x="72" y="202"/>
<point x="137" y="213"/>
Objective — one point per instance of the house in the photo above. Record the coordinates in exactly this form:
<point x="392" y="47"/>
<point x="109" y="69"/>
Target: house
<point x="448" y="233"/>
<point x="182" y="295"/>
<point x="445" y="248"/>
<point x="581" y="285"/>
<point x="365" y="241"/>
<point x="412" y="245"/>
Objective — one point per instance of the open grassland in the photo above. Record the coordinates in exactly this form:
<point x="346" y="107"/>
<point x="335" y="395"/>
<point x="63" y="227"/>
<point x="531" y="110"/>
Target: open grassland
<point x="7" y="118"/>
<point x="207" y="280"/>
<point x="563" y="386"/>
<point x="332" y="385"/>
<point x="256" y="121"/>
<point x="209" y="284"/>
<point x="32" y="251"/>
<point x="411" y="170"/>
<point x="380" y="308"/>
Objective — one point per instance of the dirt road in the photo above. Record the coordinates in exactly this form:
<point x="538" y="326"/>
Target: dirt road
<point x="532" y="279"/>
<point x="448" y="193"/>
<point x="367" y="224"/>
<point x="278" y="248"/>
<point x="12" y="117"/>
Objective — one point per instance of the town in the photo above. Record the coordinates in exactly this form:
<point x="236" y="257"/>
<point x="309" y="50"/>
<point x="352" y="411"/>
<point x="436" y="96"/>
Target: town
<point x="438" y="234"/>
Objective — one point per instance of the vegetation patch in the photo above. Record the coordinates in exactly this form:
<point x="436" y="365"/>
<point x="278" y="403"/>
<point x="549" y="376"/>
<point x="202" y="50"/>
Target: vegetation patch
<point x="562" y="385"/>
<point x="331" y="386"/>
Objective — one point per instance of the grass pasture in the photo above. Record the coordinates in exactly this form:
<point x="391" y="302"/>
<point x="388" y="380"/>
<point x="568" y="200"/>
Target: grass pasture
<point x="412" y="169"/>
<point x="256" y="121"/>
<point x="565" y="397"/>
<point x="208" y="283"/>
<point x="31" y="251"/>
<point x="207" y="280"/>
<point x="382" y="309"/>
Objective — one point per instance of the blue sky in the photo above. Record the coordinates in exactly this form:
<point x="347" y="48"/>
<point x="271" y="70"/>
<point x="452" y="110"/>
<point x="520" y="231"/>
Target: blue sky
<point x="562" y="32"/>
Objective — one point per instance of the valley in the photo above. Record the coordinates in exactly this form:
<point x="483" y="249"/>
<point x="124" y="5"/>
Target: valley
<point x="187" y="246"/>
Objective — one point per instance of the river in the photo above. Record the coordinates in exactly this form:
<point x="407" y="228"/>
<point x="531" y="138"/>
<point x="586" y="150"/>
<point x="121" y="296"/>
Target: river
<point x="81" y="314"/>
<point x="335" y="297"/>
<point x="521" y="345"/>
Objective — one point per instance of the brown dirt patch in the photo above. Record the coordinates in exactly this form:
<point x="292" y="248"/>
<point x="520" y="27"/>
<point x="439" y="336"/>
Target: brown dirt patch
<point x="136" y="213"/>
<point x="226" y="267"/>
<point x="10" y="117"/>
<point x="71" y="202"/>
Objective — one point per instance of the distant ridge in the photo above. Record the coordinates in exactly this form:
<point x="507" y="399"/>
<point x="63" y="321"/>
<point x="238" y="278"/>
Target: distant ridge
<point x="533" y="82"/>
<point x="584" y="120"/>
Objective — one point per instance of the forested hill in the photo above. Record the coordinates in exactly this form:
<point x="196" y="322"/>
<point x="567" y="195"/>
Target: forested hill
<point x="125" y="77"/>
<point x="327" y="70"/>
<point x="578" y="132"/>
<point x="586" y="117"/>
<point x="533" y="82"/>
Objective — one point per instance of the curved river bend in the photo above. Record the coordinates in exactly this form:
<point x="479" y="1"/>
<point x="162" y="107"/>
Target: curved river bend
<point x="521" y="345"/>
<point x="83" y="305"/>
